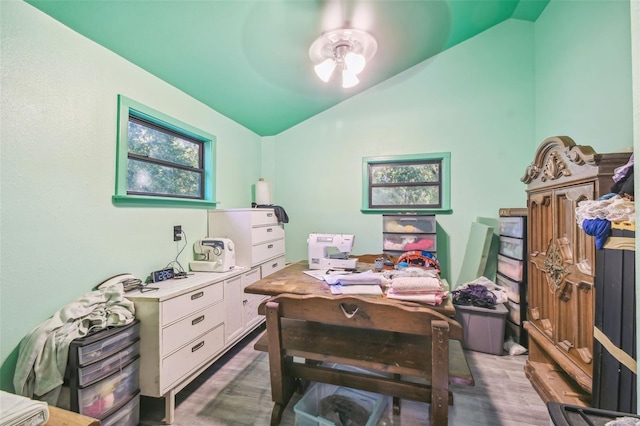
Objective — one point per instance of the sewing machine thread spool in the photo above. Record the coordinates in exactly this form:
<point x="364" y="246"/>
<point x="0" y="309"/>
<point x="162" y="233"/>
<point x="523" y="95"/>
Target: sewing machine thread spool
<point x="378" y="264"/>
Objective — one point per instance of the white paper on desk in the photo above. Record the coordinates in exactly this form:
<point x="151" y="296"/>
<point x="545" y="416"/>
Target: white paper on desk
<point x="362" y="289"/>
<point x="320" y="274"/>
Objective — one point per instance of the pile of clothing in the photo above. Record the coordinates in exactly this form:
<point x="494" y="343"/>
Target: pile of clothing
<point x="481" y="293"/>
<point x="594" y="217"/>
<point x="415" y="284"/>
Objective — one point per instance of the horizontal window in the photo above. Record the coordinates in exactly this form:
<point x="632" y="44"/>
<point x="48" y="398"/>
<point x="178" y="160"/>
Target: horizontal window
<point x="406" y="183"/>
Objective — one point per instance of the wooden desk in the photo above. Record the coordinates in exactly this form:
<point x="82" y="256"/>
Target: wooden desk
<point x="292" y="280"/>
<point x="60" y="417"/>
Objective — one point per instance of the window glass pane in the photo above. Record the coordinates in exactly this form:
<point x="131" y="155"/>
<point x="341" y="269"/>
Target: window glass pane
<point x="405" y="196"/>
<point x="153" y="143"/>
<point x="157" y="179"/>
<point x="404" y="173"/>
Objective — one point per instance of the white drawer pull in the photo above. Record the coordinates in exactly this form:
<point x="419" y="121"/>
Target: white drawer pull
<point x="198" y="346"/>
<point x="197" y="320"/>
<point x="198" y="295"/>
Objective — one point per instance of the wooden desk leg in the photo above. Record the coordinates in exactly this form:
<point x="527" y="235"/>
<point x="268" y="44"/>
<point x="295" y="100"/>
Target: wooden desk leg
<point x="169" y="407"/>
<point x="276" y="414"/>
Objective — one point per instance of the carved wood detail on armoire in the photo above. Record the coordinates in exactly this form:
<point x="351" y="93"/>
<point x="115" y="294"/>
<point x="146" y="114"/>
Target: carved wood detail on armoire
<point x="561" y="267"/>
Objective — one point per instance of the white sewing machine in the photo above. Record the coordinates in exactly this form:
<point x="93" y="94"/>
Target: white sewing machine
<point x="323" y="255"/>
<point x="216" y="255"/>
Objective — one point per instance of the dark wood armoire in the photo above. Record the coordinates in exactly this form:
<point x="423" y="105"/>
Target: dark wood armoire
<point x="561" y="267"/>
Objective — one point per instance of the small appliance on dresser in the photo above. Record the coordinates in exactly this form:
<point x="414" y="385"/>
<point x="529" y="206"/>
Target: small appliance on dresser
<point x="102" y="376"/>
<point x="512" y="270"/>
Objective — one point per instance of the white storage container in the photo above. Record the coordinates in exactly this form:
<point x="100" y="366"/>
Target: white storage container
<point x="512" y="226"/>
<point x="510" y="267"/>
<point x="308" y="408"/>
<point x="512" y="247"/>
<point x="510" y="287"/>
<point x="409" y="224"/>
<point x="106" y="347"/>
<point x="115" y="362"/>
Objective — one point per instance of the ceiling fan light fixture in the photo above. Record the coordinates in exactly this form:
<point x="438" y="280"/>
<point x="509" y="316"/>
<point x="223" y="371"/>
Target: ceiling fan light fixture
<point x="355" y="62"/>
<point x="325" y="68"/>
<point x="347" y="49"/>
<point x="349" y="79"/>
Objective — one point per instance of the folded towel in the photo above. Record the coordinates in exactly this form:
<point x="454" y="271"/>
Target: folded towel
<point x="413" y="284"/>
<point x="18" y="410"/>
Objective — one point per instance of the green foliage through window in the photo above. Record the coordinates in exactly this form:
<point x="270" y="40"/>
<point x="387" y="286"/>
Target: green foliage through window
<point x="162" y="161"/>
<point x="406" y="183"/>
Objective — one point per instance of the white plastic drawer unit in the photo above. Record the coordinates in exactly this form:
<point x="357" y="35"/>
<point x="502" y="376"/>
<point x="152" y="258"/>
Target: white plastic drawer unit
<point x="409" y="224"/>
<point x="512" y="247"/>
<point x="408" y="242"/>
<point x="510" y="267"/>
<point x="510" y="287"/>
<point x="85" y="351"/>
<point x="512" y="226"/>
<point x="100" y="399"/>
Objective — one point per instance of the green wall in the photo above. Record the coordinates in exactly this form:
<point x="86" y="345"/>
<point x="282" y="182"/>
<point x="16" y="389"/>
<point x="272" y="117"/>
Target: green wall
<point x="583" y="73"/>
<point x="475" y="100"/>
<point x="60" y="233"/>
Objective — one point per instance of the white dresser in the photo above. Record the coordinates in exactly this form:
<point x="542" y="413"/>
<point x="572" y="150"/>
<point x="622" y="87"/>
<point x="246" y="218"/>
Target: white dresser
<point x="187" y="324"/>
<point x="256" y="234"/>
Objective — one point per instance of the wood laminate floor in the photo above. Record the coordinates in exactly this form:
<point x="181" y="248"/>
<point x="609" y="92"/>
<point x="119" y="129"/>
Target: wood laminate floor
<point x="236" y="391"/>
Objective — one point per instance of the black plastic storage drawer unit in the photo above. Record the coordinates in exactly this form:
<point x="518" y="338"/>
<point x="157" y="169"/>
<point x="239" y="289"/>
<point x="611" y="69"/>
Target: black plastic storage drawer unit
<point x="102" y="377"/>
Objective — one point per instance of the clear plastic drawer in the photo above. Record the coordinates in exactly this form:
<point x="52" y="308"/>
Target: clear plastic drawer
<point x="510" y="267"/>
<point x="512" y="226"/>
<point x="103" y="344"/>
<point x="99" y="399"/>
<point x="408" y="242"/>
<point x="409" y="224"/>
<point x="512" y="247"/>
<point x="514" y="312"/>
<point x="103" y="368"/>
<point x="510" y="287"/>
<point x="128" y="415"/>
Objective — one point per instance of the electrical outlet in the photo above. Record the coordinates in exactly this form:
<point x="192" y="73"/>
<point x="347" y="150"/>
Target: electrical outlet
<point x="177" y="233"/>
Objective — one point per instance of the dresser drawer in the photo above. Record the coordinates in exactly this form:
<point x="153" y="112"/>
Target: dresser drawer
<point x="408" y="242"/>
<point x="178" y="364"/>
<point x="512" y="247"/>
<point x="105" y="367"/>
<point x="409" y="224"/>
<point x="510" y="287"/>
<point x="102" y="344"/>
<point x="102" y="398"/>
<point x="128" y="415"/>
<point x="272" y="266"/>
<point x="514" y="312"/>
<point x="179" y="333"/>
<point x="263" y="217"/>
<point x="512" y="226"/>
<point x="265" y="251"/>
<point x="185" y="304"/>
<point x="510" y="267"/>
<point x="261" y="234"/>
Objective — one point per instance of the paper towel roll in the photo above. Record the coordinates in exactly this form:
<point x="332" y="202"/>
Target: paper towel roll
<point x="263" y="192"/>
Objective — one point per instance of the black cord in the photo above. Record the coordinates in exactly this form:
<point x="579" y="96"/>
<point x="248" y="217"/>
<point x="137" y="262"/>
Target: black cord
<point x="179" y="271"/>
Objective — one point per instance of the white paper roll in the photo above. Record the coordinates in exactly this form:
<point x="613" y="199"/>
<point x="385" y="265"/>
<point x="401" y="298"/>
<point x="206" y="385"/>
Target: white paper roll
<point x="263" y="192"/>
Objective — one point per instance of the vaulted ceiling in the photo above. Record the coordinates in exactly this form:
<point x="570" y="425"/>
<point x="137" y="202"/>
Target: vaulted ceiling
<point x="249" y="60"/>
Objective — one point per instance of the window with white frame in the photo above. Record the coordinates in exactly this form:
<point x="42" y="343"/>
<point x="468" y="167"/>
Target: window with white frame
<point x="418" y="182"/>
<point x="162" y="160"/>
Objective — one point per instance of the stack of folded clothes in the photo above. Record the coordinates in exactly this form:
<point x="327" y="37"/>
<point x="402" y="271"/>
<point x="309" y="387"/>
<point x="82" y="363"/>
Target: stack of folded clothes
<point x="427" y="290"/>
<point x="20" y="410"/>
